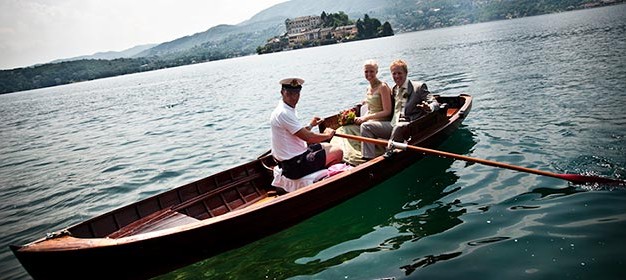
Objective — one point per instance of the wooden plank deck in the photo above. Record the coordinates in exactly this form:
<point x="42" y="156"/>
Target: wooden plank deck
<point x="166" y="218"/>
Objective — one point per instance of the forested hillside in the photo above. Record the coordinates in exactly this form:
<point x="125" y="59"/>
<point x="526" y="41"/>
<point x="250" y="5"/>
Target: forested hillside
<point x="227" y="41"/>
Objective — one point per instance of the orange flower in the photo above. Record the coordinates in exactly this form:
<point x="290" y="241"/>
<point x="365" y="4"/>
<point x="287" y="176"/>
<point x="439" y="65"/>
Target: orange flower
<point x="347" y="117"/>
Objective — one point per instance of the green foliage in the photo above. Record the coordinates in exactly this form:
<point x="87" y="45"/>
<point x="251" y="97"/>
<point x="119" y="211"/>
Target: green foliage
<point x="367" y="27"/>
<point x="386" y="29"/>
<point x="335" y="19"/>
<point x="53" y="74"/>
<point x="371" y="28"/>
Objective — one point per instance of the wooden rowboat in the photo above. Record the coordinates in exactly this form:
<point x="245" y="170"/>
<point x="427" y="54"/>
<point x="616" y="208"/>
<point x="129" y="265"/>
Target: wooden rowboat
<point x="218" y="213"/>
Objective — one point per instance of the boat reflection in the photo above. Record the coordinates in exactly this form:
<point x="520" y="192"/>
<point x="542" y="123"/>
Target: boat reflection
<point x="405" y="208"/>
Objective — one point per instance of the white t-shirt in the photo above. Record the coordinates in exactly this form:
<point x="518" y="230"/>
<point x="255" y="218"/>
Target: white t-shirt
<point x="284" y="122"/>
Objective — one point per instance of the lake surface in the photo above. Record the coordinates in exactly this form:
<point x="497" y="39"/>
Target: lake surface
<point x="549" y="93"/>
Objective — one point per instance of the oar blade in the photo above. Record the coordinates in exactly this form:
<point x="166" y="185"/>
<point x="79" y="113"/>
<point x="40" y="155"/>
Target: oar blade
<point x="574" y="178"/>
<point x="583" y="179"/>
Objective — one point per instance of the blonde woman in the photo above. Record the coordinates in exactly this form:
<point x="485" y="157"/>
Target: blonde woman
<point x="378" y="96"/>
<point x="378" y="104"/>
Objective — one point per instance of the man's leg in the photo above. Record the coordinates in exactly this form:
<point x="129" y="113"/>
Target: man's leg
<point x="373" y="129"/>
<point x="398" y="134"/>
<point x="334" y="154"/>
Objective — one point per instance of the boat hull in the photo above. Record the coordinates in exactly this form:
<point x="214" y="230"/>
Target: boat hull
<point x="122" y="254"/>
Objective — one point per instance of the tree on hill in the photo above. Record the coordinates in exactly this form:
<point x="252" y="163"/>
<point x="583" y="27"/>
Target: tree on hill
<point x="335" y="19"/>
<point x="370" y="28"/>
<point x="386" y="30"/>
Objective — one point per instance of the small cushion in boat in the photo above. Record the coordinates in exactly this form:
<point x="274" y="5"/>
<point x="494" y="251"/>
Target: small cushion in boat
<point x="290" y="185"/>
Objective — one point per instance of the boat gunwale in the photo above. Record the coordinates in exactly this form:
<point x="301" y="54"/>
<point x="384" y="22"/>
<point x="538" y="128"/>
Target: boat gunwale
<point x="40" y="245"/>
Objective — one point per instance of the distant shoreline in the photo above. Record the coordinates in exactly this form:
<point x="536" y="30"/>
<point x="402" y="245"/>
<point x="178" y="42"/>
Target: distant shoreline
<point x="67" y="72"/>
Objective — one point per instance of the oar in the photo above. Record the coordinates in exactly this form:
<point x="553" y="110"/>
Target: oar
<point x="574" y="178"/>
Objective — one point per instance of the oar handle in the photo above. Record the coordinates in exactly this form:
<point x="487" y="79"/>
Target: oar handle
<point x="575" y="178"/>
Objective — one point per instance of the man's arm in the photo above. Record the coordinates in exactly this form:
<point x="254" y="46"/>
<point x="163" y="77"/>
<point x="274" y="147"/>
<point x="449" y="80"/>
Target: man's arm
<point x="428" y="103"/>
<point x="311" y="137"/>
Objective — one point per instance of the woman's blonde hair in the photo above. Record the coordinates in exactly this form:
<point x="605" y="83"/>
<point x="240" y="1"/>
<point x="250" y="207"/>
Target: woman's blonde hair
<point x="371" y="62"/>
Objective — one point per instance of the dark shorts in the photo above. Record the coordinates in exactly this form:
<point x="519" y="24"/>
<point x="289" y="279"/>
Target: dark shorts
<point x="312" y="160"/>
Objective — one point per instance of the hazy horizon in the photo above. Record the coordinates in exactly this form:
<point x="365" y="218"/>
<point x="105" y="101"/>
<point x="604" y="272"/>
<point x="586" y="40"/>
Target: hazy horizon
<point x="38" y="31"/>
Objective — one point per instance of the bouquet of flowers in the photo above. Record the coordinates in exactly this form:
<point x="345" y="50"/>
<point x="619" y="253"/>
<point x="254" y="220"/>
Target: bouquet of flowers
<point x="347" y="117"/>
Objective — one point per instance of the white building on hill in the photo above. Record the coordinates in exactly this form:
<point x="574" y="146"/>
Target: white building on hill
<point x="302" y="24"/>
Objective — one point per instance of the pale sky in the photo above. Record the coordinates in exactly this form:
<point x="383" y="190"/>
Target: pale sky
<point x="39" y="31"/>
